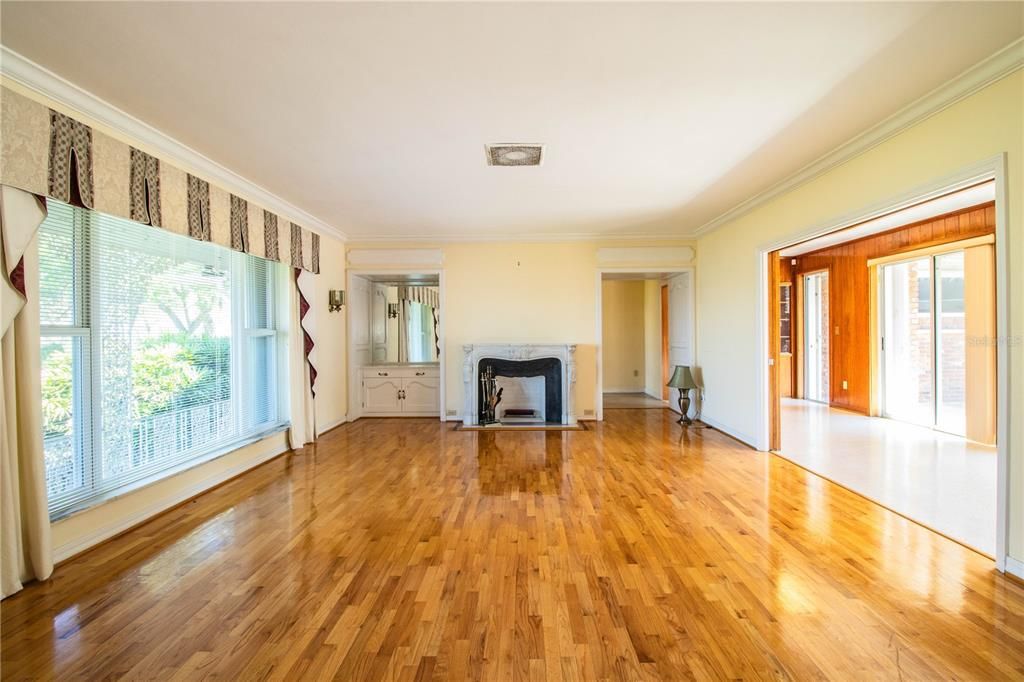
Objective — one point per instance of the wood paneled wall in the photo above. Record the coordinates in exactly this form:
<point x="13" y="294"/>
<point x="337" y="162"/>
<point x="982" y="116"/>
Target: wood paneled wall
<point x="849" y="291"/>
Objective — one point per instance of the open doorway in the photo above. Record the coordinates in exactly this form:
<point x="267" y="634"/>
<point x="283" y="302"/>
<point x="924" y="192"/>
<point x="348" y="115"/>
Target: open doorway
<point x="645" y="330"/>
<point x="892" y="387"/>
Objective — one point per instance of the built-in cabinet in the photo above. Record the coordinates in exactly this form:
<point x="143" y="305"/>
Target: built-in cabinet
<point x="410" y="390"/>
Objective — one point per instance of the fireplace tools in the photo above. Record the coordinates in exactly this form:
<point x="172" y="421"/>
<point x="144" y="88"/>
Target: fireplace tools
<point x="491" y="396"/>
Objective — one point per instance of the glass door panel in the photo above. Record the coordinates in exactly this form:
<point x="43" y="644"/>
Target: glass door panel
<point x="950" y="344"/>
<point x="907" y="342"/>
<point x="816" y="326"/>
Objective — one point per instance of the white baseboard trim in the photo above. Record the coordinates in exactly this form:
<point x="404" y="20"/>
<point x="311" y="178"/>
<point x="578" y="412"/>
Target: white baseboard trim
<point x="728" y="430"/>
<point x="335" y="423"/>
<point x="70" y="549"/>
<point x="1014" y="567"/>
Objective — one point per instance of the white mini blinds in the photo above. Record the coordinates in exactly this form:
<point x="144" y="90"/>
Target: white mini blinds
<point x="156" y="351"/>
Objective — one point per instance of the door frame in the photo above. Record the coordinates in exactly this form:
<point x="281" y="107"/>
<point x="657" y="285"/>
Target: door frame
<point x="354" y="403"/>
<point x="992" y="168"/>
<point x="662" y="271"/>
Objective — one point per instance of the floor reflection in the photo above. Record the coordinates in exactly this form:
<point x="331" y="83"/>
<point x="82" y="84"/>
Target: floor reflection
<point x="527" y="462"/>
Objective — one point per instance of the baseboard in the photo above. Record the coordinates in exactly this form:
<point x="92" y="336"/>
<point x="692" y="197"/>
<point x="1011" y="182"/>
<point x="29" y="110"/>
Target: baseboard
<point x="70" y="549"/>
<point x="333" y="425"/>
<point x="638" y="389"/>
<point x="1014" y="567"/>
<point x="727" y="430"/>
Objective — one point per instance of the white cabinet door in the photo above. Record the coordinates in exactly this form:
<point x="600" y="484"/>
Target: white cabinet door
<point x="422" y="394"/>
<point x="381" y="395"/>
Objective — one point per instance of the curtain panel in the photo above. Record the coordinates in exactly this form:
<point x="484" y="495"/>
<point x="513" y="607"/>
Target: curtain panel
<point x="25" y="547"/>
<point x="47" y="153"/>
<point x="301" y="363"/>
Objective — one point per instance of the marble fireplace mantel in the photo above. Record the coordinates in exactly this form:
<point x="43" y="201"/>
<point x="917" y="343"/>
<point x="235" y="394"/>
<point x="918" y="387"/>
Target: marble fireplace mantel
<point x="474" y="353"/>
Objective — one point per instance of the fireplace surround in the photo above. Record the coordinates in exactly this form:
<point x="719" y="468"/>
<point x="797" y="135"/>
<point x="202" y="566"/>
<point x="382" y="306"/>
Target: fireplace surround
<point x="555" y="362"/>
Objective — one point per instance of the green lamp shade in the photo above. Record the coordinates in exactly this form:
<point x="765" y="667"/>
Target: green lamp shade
<point x="681" y="378"/>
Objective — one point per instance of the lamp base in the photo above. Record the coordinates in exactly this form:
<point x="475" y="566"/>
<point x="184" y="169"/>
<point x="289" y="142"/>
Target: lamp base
<point x="684" y="408"/>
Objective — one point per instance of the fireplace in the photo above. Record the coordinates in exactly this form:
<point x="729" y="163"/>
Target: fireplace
<point x="518" y="394"/>
<point x="535" y="377"/>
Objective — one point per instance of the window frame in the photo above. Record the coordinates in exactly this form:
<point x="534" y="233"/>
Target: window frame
<point x="87" y="376"/>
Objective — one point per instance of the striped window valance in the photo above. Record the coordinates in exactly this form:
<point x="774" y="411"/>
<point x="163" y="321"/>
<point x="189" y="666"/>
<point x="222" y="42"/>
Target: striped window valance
<point x="428" y="296"/>
<point x="50" y="154"/>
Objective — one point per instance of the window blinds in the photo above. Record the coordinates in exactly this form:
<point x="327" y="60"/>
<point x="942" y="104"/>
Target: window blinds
<point x="156" y="350"/>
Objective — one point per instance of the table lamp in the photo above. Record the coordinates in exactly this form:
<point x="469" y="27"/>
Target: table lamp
<point x="683" y="380"/>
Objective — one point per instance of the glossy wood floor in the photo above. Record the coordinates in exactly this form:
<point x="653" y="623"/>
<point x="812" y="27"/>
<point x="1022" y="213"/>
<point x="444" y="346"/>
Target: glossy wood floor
<point x="398" y="549"/>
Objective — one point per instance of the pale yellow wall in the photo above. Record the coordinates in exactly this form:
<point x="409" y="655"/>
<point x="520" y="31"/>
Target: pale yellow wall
<point x="331" y="391"/>
<point x="652" y="338"/>
<point x="622" y="322"/>
<point x="987" y="123"/>
<point x="520" y="293"/>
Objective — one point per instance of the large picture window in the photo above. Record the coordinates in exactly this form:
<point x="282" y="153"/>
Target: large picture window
<point x="157" y="351"/>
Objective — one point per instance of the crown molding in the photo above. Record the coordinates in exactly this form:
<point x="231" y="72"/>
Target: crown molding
<point x="51" y="86"/>
<point x="981" y="75"/>
<point x="518" y="238"/>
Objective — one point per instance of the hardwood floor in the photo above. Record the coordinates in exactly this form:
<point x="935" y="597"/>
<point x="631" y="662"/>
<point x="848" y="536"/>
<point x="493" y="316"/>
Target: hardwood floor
<point x="398" y="549"/>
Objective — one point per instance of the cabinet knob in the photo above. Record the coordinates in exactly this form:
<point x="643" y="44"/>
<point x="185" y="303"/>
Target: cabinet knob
<point x="419" y="374"/>
<point x="382" y="374"/>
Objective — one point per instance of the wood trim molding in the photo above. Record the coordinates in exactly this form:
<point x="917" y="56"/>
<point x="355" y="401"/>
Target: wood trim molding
<point x="37" y="79"/>
<point x="974" y="79"/>
<point x="933" y="250"/>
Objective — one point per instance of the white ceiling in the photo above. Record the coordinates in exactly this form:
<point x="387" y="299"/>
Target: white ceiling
<point x="656" y="118"/>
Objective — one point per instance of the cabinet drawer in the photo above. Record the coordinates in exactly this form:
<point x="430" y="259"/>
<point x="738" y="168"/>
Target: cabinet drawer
<point x="400" y="372"/>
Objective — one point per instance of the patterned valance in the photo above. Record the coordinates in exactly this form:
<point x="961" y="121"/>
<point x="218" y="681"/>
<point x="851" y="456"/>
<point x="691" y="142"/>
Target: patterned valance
<point x="428" y="296"/>
<point x="47" y="153"/>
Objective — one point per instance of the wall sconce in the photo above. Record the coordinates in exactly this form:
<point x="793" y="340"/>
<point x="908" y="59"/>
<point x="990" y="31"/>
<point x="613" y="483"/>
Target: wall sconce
<point x="335" y="300"/>
<point x="392" y="310"/>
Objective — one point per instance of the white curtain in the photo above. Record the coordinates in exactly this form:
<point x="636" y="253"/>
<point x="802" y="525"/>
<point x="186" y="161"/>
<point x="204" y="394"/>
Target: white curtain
<point x="303" y="412"/>
<point x="25" y="546"/>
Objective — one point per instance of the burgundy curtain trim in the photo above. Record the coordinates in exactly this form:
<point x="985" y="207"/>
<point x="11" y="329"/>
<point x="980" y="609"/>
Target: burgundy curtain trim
<point x="307" y="340"/>
<point x="17" y="277"/>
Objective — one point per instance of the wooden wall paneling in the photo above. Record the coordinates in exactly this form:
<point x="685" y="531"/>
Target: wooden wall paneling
<point x="849" y="293"/>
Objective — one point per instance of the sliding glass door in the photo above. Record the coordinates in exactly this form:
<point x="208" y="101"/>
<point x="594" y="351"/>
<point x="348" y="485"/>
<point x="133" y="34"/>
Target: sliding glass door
<point x="923" y="341"/>
<point x="816" y="379"/>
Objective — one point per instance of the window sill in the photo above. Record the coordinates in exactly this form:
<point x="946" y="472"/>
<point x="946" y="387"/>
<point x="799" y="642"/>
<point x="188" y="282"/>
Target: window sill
<point x="109" y="496"/>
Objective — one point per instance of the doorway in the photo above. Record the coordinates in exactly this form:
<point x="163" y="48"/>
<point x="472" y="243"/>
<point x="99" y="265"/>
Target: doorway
<point x="645" y="327"/>
<point x="898" y="399"/>
<point x="815" y="334"/>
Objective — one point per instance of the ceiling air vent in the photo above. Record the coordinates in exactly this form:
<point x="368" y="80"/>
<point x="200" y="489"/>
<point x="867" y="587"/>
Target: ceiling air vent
<point x="514" y="154"/>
